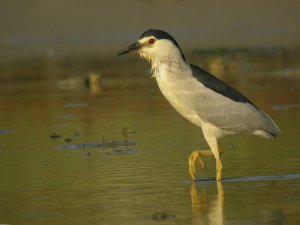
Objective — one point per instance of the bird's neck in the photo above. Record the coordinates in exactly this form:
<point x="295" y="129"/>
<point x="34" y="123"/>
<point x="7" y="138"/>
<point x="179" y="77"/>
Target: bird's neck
<point x="171" y="65"/>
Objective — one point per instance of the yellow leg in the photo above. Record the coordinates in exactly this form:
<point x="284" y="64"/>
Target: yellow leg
<point x="219" y="169"/>
<point x="196" y="156"/>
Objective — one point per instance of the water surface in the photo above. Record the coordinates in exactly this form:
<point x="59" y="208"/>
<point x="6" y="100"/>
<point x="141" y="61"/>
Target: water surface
<point x="117" y="153"/>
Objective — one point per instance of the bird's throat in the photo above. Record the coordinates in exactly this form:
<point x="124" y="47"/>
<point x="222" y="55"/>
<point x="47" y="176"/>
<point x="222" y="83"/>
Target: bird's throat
<point x="171" y="66"/>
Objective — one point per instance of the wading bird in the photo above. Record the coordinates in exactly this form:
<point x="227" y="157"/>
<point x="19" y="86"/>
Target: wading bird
<point x="200" y="97"/>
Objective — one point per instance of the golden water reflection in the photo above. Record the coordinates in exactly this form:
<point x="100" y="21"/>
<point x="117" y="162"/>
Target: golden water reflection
<point x="207" y="209"/>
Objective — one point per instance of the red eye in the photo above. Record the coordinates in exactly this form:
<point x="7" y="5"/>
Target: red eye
<point x="151" y="41"/>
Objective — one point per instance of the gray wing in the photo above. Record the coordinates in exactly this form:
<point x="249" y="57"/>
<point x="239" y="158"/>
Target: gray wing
<point x="226" y="108"/>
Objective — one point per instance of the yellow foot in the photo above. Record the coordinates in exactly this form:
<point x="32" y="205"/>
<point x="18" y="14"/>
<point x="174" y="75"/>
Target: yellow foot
<point x="196" y="156"/>
<point x="193" y="158"/>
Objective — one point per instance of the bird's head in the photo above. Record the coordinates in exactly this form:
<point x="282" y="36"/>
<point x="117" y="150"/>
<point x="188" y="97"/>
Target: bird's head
<point x="156" y="45"/>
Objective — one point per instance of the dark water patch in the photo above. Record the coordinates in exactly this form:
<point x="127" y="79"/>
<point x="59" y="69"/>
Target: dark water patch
<point x="285" y="107"/>
<point x="68" y="139"/>
<point x="263" y="178"/>
<point x="76" y="105"/>
<point x="254" y="178"/>
<point x="122" y="152"/>
<point x="64" y="116"/>
<point x="75" y="146"/>
<point x="104" y="145"/>
<point x="59" y="125"/>
<point x="6" y="131"/>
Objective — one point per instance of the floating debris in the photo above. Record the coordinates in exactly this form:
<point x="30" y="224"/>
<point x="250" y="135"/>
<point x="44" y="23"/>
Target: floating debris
<point x="94" y="82"/>
<point x="67" y="139"/>
<point x="126" y="132"/>
<point x="71" y="83"/>
<point x="160" y="216"/>
<point x="76" y="135"/>
<point x="93" y="78"/>
<point x="55" y="136"/>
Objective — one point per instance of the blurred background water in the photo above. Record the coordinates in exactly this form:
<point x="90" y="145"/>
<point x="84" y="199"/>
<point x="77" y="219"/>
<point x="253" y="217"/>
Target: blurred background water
<point x="51" y="28"/>
<point x="87" y="138"/>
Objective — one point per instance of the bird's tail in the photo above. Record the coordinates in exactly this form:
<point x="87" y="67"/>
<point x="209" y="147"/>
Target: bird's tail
<point x="269" y="127"/>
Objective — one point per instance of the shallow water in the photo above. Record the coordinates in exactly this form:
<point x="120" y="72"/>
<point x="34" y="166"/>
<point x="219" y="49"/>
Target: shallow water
<point x="117" y="153"/>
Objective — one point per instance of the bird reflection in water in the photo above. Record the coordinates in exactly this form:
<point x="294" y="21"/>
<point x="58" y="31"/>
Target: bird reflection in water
<point x="207" y="209"/>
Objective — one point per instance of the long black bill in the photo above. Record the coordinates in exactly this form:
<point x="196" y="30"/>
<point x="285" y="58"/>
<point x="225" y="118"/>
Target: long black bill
<point x="131" y="48"/>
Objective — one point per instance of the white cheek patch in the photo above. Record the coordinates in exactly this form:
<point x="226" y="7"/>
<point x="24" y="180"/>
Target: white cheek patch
<point x="163" y="49"/>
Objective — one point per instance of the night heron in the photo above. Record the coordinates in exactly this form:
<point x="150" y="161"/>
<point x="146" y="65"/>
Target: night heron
<point x="200" y="97"/>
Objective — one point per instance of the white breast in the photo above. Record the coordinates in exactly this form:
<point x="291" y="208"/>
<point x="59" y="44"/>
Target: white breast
<point x="182" y="90"/>
<point x="179" y="90"/>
